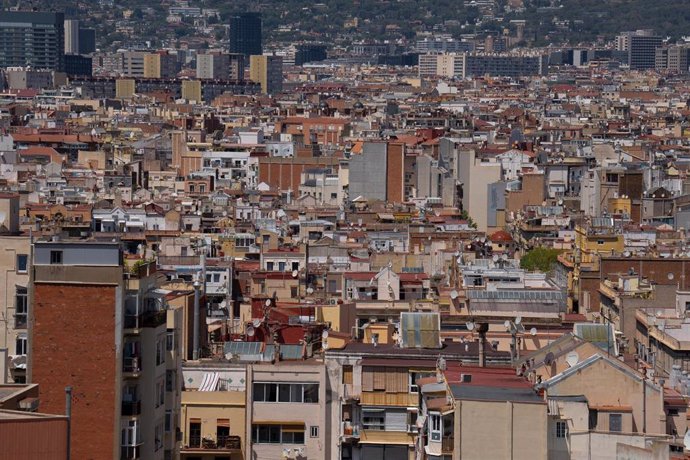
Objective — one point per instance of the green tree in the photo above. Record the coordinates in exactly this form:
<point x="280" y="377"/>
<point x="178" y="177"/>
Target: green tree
<point x="541" y="259"/>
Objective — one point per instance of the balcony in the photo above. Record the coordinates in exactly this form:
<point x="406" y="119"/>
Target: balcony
<point x="131" y="364"/>
<point x="350" y="430"/>
<point x="447" y="445"/>
<point x="20" y="321"/>
<point x="130" y="452"/>
<point x="222" y="444"/>
<point x="147" y="319"/>
<point x="130" y="408"/>
<point x="351" y="392"/>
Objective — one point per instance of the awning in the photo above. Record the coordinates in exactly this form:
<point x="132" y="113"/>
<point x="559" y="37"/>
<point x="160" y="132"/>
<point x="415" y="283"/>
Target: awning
<point x="209" y="382"/>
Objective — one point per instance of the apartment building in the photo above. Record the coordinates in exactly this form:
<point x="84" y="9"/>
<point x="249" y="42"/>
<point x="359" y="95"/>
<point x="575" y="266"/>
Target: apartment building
<point x="268" y="71"/>
<point x="287" y="407"/>
<point x="14" y="283"/>
<point x="35" y="39"/>
<point x="213" y="409"/>
<point x="115" y="363"/>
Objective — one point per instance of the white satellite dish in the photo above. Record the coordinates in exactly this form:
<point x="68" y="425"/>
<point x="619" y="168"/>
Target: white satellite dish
<point x="324" y="334"/>
<point x="533" y="331"/>
<point x="295" y="273"/>
<point x="518" y="320"/>
<point x="507" y="324"/>
<point x="268" y="302"/>
<point x="454" y="294"/>
<point x="504" y="257"/>
<point x="256" y="322"/>
<point x="250" y="331"/>
<point x="495" y="258"/>
<point x="572" y="358"/>
<point x="470" y="326"/>
<point x="310" y="290"/>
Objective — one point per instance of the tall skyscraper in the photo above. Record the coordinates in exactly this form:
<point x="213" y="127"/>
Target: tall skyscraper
<point x="245" y="34"/>
<point x="87" y="41"/>
<point x="71" y="36"/>
<point x="642" y="51"/>
<point x="33" y="39"/>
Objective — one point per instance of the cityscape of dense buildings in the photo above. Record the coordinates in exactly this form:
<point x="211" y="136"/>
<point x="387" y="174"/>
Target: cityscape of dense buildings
<point x="448" y="246"/>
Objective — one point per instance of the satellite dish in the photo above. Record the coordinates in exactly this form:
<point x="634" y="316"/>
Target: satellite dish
<point x="268" y="302"/>
<point x="504" y="257"/>
<point x="626" y="253"/>
<point x="256" y="322"/>
<point x="470" y="326"/>
<point x="324" y="334"/>
<point x="495" y="258"/>
<point x="572" y="358"/>
<point x="250" y="331"/>
<point x="507" y="324"/>
<point x="548" y="359"/>
<point x="310" y="290"/>
<point x="686" y="440"/>
<point x="518" y="320"/>
<point x="454" y="294"/>
<point x="295" y="273"/>
<point x="533" y="331"/>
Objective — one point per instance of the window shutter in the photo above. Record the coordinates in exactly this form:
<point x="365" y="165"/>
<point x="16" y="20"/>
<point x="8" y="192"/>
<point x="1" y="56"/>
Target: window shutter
<point x="367" y="379"/>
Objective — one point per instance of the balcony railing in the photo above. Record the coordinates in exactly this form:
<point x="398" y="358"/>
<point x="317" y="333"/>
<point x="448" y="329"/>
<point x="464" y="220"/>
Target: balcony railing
<point x="131" y="407"/>
<point x="195" y="440"/>
<point x="351" y="392"/>
<point x="223" y="442"/>
<point x="447" y="445"/>
<point x="131" y="364"/>
<point x="146" y="319"/>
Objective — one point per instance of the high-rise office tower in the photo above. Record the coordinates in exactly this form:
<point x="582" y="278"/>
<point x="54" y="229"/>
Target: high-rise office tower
<point x="268" y="71"/>
<point x="642" y="51"/>
<point x="245" y="34"/>
<point x="71" y="36"/>
<point x="33" y="39"/>
<point x="87" y="41"/>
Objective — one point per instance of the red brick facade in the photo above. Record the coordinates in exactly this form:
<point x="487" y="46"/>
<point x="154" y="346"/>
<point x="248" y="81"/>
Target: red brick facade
<point x="73" y="343"/>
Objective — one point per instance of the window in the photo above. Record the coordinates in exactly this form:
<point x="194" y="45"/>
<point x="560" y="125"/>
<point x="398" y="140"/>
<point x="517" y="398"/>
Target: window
<point x="195" y="433"/>
<point x="561" y="429"/>
<point x="615" y="422"/>
<point x="169" y="380"/>
<point x="414" y="376"/>
<point x="295" y="266"/>
<point x="191" y="188"/>
<point x="373" y="419"/>
<point x="435" y="426"/>
<point x="278" y="434"/>
<point x="158" y="436"/>
<point x="314" y="432"/>
<point x="160" y="350"/>
<point x="170" y="340"/>
<point x="281" y="266"/>
<point x="160" y="393"/>
<point x="286" y="392"/>
<point x="55" y="257"/>
<point x="21" y="345"/>
<point x="168" y="421"/>
<point x="269" y="266"/>
<point x="22" y="262"/>
<point x="216" y="277"/>
<point x="21" y="308"/>
<point x="222" y="431"/>
<point x="347" y="374"/>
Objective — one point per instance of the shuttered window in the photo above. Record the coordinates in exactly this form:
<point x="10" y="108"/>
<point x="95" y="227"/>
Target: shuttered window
<point x="347" y="375"/>
<point x="368" y="379"/>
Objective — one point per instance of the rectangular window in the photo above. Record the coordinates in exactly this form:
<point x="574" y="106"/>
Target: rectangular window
<point x="20" y="308"/>
<point x="615" y="422"/>
<point x="561" y="429"/>
<point x="435" y="426"/>
<point x="278" y="434"/>
<point x="286" y="392"/>
<point x="21" y="345"/>
<point x="55" y="257"/>
<point x="414" y="376"/>
<point x="314" y="432"/>
<point x="170" y="340"/>
<point x="22" y="263"/>
<point x="374" y="419"/>
<point x="168" y="421"/>
<point x="281" y="266"/>
<point x="195" y="433"/>
<point x="347" y="374"/>
<point x="169" y="380"/>
<point x="269" y="266"/>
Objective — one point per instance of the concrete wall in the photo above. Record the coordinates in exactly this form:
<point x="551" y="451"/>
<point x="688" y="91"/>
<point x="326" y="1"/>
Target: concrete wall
<point x="501" y="430"/>
<point x="368" y="172"/>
